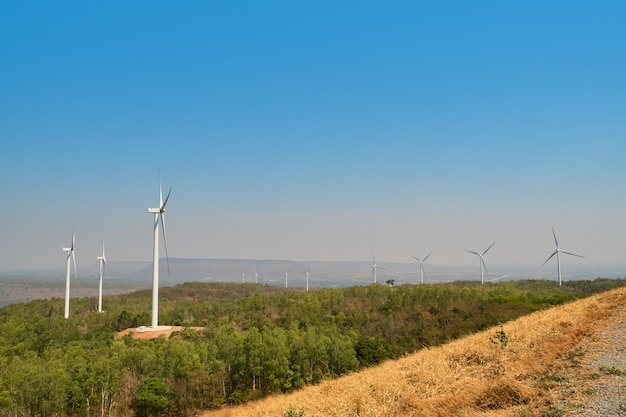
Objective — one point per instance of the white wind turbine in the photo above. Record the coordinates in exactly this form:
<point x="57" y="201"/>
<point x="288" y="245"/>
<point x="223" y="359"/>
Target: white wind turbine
<point x="256" y="277"/>
<point x="375" y="268"/>
<point x="421" y="262"/>
<point x="308" y="275"/>
<point x="70" y="254"/>
<point x="286" y="278"/>
<point x="158" y="217"/>
<point x="558" y="259"/>
<point x="483" y="267"/>
<point x="103" y="263"/>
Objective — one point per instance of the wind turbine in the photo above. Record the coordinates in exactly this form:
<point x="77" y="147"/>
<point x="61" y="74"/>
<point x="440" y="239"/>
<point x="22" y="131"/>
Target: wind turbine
<point x="256" y="277"/>
<point x="483" y="267"/>
<point x="103" y="262"/>
<point x="421" y="261"/>
<point x="159" y="217"/>
<point x="243" y="278"/>
<point x="558" y="259"/>
<point x="375" y="268"/>
<point x="286" y="278"/>
<point x="70" y="254"/>
<point x="308" y="274"/>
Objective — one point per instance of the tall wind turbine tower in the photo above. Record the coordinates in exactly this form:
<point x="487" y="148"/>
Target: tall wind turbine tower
<point x="103" y="261"/>
<point x="558" y="259"/>
<point x="421" y="262"/>
<point x="286" y="278"/>
<point x="159" y="217"/>
<point x="70" y="254"/>
<point x="483" y="267"/>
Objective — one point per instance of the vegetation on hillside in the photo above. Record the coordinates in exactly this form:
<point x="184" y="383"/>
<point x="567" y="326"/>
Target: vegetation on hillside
<point x="256" y="341"/>
<point x="518" y="369"/>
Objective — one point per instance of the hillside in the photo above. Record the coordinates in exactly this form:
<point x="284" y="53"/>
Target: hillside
<point x="538" y="365"/>
<point x="235" y="343"/>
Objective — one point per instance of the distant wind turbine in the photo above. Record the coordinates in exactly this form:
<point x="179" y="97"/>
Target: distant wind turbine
<point x="243" y="278"/>
<point x="375" y="268"/>
<point x="103" y="263"/>
<point x="158" y="217"/>
<point x="286" y="278"/>
<point x="558" y="259"/>
<point x="256" y="277"/>
<point x="70" y="254"/>
<point x="483" y="267"/>
<point x="308" y="274"/>
<point x="421" y="262"/>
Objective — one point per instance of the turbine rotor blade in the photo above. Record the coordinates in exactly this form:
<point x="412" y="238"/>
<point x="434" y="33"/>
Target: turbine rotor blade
<point x="162" y="208"/>
<point x="160" y="189"/>
<point x="570" y="253"/>
<point x="484" y="265"/>
<point x="556" y="242"/>
<point x="471" y="251"/>
<point x="167" y="257"/>
<point x="553" y="253"/>
<point x="427" y="257"/>
<point x="489" y="248"/>
<point x="418" y="259"/>
<point x="74" y="260"/>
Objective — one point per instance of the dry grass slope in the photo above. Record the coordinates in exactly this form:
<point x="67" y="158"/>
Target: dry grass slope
<point x="493" y="373"/>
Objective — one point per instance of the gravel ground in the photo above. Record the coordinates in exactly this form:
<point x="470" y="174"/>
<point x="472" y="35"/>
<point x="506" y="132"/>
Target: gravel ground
<point x="595" y="383"/>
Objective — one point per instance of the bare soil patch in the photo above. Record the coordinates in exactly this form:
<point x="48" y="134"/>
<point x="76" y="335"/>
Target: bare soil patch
<point x="147" y="333"/>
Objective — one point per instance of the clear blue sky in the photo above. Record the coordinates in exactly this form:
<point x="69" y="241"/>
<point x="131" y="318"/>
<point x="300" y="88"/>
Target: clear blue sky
<point x="313" y="130"/>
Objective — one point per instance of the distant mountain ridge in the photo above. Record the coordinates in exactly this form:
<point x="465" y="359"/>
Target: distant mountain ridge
<point x="269" y="271"/>
<point x="345" y="273"/>
<point x="322" y="273"/>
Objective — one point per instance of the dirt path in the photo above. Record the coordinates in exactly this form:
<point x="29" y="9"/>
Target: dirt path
<point x="594" y="381"/>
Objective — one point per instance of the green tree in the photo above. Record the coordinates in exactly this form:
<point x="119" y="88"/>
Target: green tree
<point x="151" y="399"/>
<point x="371" y="350"/>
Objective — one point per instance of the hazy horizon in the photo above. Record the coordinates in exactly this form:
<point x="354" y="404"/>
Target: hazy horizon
<point x="314" y="131"/>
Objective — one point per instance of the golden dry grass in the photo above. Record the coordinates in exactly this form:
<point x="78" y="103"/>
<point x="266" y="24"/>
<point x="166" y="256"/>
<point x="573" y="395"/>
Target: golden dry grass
<point x="476" y="375"/>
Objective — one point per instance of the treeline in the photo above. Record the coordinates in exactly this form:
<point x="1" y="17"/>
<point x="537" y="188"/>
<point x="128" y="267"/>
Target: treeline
<point x="254" y="341"/>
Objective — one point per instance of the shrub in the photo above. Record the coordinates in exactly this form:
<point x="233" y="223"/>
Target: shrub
<point x="293" y="413"/>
